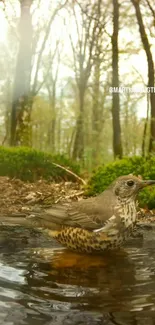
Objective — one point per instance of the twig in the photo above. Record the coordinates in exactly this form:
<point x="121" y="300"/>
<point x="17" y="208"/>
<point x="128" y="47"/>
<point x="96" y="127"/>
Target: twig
<point x="70" y="172"/>
<point x="151" y="9"/>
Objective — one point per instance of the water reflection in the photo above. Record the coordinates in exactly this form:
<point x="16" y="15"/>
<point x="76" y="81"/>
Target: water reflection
<point x="50" y="285"/>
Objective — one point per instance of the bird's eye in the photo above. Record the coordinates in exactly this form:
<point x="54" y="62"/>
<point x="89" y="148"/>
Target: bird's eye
<point x="130" y="183"/>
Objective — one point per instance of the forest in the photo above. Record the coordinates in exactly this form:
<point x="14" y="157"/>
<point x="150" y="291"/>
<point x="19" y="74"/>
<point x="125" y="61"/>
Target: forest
<point x="59" y="61"/>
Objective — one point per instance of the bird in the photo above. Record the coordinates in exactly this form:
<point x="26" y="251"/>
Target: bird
<point x="95" y="224"/>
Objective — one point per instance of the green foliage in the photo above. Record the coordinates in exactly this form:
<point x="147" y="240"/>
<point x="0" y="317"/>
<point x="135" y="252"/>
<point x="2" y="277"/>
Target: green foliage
<point x="147" y="198"/>
<point x="106" y="174"/>
<point x="30" y="165"/>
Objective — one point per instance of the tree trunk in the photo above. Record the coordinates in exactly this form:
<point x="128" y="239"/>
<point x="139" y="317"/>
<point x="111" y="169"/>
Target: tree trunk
<point x="78" y="149"/>
<point x="7" y="111"/>
<point x="117" y="144"/>
<point x="126" y="136"/>
<point x="151" y="74"/>
<point x="145" y="128"/>
<point x="89" y="32"/>
<point x="59" y="124"/>
<point x="97" y="116"/>
<point x="52" y="125"/>
<point x="22" y="102"/>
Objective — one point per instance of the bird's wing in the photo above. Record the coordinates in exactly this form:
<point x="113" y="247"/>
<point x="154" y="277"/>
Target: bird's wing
<point x="68" y="216"/>
<point x="89" y="214"/>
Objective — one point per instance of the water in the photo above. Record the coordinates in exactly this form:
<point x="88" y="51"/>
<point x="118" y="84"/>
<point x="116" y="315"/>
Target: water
<point x="42" y="284"/>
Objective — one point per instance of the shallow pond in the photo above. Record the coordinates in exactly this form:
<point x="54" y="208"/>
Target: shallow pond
<point x="42" y="283"/>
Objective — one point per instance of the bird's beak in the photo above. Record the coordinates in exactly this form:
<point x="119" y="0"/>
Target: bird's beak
<point x="147" y="183"/>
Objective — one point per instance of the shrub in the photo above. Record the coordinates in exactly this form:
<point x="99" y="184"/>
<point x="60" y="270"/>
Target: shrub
<point x="30" y="165"/>
<point x="106" y="174"/>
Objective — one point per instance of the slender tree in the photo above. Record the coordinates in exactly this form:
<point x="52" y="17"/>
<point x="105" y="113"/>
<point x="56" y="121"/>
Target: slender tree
<point x="151" y="73"/>
<point x="20" y="113"/>
<point x="117" y="143"/>
<point x="23" y="92"/>
<point x="98" y="105"/>
<point x="51" y="84"/>
<point x="88" y="30"/>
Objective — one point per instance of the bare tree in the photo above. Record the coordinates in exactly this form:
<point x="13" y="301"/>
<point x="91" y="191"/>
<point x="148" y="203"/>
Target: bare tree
<point x="117" y="143"/>
<point x="152" y="10"/>
<point x="98" y="108"/>
<point x="23" y="93"/>
<point x="151" y="74"/>
<point x="20" y="114"/>
<point x="145" y="127"/>
<point x="89" y="27"/>
<point x="51" y="84"/>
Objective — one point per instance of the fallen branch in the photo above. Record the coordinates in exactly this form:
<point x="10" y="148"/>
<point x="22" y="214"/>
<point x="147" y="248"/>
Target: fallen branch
<point x="70" y="172"/>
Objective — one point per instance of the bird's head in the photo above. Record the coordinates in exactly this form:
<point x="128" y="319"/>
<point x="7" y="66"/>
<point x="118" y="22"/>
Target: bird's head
<point x="128" y="186"/>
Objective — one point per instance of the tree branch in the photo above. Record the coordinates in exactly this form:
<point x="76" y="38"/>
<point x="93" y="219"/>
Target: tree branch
<point x="70" y="172"/>
<point x="151" y="9"/>
<point x="43" y="45"/>
<point x="47" y="74"/>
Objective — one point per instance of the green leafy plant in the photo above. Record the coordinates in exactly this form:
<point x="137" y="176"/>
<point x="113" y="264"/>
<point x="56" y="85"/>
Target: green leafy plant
<point x="30" y="165"/>
<point x="104" y="175"/>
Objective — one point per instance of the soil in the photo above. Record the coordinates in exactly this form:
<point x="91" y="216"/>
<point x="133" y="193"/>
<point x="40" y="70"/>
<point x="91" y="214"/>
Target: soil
<point x="18" y="197"/>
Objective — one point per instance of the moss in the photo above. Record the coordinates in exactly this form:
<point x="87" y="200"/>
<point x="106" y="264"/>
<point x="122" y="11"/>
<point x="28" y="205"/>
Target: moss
<point x="30" y="165"/>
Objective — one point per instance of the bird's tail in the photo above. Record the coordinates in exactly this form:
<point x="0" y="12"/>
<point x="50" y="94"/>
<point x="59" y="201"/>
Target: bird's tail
<point x="15" y="221"/>
<point x="31" y="221"/>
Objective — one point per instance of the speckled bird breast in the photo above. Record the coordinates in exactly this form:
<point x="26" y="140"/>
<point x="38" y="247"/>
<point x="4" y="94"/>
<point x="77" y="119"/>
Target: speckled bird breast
<point x="128" y="213"/>
<point x="82" y="240"/>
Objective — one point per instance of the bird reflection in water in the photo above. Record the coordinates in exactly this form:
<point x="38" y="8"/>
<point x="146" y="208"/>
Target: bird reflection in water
<point x="100" y="279"/>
